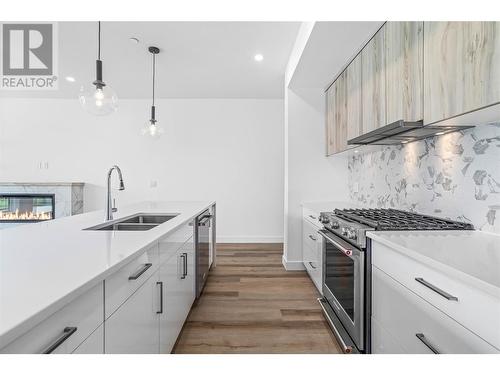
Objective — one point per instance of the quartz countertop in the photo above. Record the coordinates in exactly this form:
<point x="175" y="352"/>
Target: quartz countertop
<point x="471" y="256"/>
<point x="44" y="266"/>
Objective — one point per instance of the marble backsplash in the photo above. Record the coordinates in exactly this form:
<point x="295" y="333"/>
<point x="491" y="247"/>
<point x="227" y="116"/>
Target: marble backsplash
<point x="455" y="176"/>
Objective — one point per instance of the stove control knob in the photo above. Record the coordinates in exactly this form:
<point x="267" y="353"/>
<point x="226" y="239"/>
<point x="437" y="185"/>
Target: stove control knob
<point x="351" y="234"/>
<point x="335" y="225"/>
<point x="324" y="219"/>
<point x="344" y="231"/>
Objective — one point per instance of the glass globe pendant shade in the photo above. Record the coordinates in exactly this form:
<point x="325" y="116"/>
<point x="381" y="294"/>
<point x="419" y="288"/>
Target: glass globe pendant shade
<point x="152" y="129"/>
<point x="99" y="101"/>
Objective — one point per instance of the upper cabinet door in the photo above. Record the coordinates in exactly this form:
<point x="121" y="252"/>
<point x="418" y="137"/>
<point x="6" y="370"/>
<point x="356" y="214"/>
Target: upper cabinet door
<point x="462" y="68"/>
<point x="336" y="116"/>
<point x="404" y="71"/>
<point x="354" y="98"/>
<point x="330" y="121"/>
<point x="341" y="113"/>
<point x="373" y="82"/>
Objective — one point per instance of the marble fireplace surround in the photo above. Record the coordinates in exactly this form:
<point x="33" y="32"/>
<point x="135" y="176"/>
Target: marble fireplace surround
<point x="455" y="176"/>
<point x="68" y="195"/>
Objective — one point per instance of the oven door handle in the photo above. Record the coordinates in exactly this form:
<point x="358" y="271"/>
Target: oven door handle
<point x="347" y="251"/>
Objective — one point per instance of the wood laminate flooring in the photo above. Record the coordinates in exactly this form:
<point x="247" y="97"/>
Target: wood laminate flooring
<point x="250" y="304"/>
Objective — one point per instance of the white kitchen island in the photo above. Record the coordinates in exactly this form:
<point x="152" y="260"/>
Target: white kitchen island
<point x="123" y="291"/>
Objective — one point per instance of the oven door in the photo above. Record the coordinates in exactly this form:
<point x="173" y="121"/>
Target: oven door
<point x="343" y="284"/>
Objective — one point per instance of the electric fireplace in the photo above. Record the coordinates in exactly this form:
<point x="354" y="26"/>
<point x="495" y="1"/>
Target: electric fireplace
<point x="26" y="208"/>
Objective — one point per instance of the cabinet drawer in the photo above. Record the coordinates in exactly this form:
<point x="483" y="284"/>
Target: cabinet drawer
<point x="124" y="282"/>
<point x="312" y="217"/>
<point x="84" y="313"/>
<point x="475" y="309"/>
<point x="169" y="245"/>
<point x="404" y="315"/>
<point x="314" y="271"/>
<point x="310" y="236"/>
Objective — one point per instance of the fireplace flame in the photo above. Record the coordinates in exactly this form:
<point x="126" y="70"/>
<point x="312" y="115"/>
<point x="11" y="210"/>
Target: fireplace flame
<point x="8" y="215"/>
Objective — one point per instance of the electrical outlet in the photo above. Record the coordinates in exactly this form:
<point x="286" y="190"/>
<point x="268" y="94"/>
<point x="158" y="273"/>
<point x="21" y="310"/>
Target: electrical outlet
<point x="46" y="165"/>
<point x="355" y="187"/>
<point x="153" y="184"/>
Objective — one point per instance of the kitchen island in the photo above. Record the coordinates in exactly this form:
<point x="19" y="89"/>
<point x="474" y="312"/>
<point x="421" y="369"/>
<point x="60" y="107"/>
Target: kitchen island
<point x="54" y="272"/>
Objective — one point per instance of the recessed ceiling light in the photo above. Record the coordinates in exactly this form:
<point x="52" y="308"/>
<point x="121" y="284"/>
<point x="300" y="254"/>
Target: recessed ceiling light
<point x="258" y="57"/>
<point x="70" y="79"/>
<point x="134" y="40"/>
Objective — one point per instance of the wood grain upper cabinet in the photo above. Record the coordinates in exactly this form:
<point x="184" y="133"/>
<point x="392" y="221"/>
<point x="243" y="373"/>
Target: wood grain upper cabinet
<point x="336" y="116"/>
<point x="354" y="98"/>
<point x="462" y="67"/>
<point x="404" y="71"/>
<point x="373" y="83"/>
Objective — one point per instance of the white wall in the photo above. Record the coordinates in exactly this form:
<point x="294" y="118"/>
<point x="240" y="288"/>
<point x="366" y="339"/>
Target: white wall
<point x="230" y="150"/>
<point x="309" y="175"/>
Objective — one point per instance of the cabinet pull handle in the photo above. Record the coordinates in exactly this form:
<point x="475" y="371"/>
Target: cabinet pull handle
<point x="434" y="288"/>
<point x="422" y="338"/>
<point x="311" y="264"/>
<point x="313" y="217"/>
<point x="185" y="264"/>
<point x="160" y="283"/>
<point x="138" y="274"/>
<point x="183" y="256"/>
<point x="67" y="332"/>
<point x="312" y="237"/>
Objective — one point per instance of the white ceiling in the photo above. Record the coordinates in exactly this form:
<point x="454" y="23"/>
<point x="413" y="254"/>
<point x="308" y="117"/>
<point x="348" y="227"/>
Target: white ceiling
<point x="329" y="48"/>
<point x="197" y="59"/>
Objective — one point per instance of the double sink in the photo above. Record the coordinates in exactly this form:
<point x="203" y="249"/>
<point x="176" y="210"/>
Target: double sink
<point x="136" y="222"/>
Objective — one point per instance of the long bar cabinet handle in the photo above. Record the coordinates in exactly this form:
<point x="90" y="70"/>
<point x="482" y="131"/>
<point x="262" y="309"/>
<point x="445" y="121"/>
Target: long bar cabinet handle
<point x="67" y="332"/>
<point x="160" y="283"/>
<point x="422" y="338"/>
<point x="138" y="274"/>
<point x="434" y="288"/>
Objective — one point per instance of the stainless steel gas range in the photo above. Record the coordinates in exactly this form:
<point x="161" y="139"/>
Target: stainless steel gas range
<point x="346" y="298"/>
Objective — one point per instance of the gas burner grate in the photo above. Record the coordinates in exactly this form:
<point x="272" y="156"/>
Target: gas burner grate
<point x="391" y="219"/>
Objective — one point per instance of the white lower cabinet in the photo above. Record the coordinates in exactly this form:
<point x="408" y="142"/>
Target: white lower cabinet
<point x="133" y="328"/>
<point x="405" y="321"/>
<point x="150" y="320"/>
<point x="312" y="249"/>
<point x="65" y="330"/>
<point x="94" y="344"/>
<point x="178" y="278"/>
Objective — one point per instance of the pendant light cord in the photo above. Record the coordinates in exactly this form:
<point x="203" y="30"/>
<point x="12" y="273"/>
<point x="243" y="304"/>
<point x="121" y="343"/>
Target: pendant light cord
<point x="154" y="71"/>
<point x="99" y="42"/>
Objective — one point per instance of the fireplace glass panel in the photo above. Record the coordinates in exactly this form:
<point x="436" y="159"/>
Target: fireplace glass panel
<point x="26" y="207"/>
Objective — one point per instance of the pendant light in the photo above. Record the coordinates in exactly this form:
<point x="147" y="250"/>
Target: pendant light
<point x="152" y="129"/>
<point x="98" y="99"/>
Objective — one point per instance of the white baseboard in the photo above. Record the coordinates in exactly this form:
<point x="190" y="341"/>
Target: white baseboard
<point x="296" y="265"/>
<point x="249" y="239"/>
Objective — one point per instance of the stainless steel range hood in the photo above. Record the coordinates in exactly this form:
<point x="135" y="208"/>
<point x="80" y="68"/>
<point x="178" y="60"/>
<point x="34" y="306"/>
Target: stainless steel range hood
<point x="403" y="132"/>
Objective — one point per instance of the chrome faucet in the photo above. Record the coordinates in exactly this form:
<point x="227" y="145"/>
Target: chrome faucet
<point x="109" y="207"/>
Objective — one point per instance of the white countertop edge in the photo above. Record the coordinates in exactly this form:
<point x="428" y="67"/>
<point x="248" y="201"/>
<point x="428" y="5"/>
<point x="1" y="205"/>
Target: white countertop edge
<point x="442" y="267"/>
<point x="29" y="323"/>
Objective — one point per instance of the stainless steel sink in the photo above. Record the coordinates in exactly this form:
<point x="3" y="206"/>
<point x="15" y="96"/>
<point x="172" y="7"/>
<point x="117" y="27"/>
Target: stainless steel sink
<point x="148" y="219"/>
<point x="136" y="222"/>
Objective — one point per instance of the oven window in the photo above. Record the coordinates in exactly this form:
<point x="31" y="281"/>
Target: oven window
<point x="339" y="277"/>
